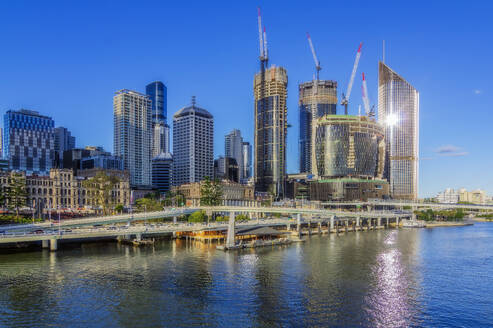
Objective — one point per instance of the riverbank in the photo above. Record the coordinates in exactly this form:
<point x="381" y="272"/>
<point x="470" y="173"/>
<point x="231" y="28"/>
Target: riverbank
<point x="482" y="219"/>
<point x="436" y="224"/>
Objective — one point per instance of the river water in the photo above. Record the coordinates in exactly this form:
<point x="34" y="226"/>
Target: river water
<point x="441" y="277"/>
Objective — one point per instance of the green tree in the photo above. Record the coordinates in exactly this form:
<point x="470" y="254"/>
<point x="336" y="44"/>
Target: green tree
<point x="197" y="217"/>
<point x="149" y="204"/>
<point x="211" y="192"/>
<point x="119" y="208"/>
<point x="101" y="186"/>
<point x="16" y="195"/>
<point x="174" y="198"/>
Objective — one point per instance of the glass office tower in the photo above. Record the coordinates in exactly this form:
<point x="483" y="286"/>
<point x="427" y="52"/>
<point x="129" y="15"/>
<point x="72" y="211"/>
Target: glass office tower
<point x="158" y="93"/>
<point x="29" y="141"/>
<point x="398" y="111"/>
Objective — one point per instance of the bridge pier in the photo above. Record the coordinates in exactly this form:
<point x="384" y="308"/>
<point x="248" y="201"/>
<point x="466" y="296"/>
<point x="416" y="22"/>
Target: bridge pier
<point x="53" y="245"/>
<point x="331" y="223"/>
<point x="45" y="244"/>
<point x="230" y="238"/>
<point x="138" y="236"/>
<point x="298" y="222"/>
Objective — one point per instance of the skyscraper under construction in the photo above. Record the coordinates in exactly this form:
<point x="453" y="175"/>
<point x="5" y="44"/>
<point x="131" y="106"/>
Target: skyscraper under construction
<point x="398" y="110"/>
<point x="270" y="92"/>
<point x="316" y="99"/>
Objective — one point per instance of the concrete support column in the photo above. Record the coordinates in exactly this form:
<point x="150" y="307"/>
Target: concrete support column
<point x="337" y="228"/>
<point x="397" y="222"/>
<point x="138" y="236"/>
<point x="174" y="234"/>
<point x="45" y="244"/>
<point x="174" y="219"/>
<point x="346" y="225"/>
<point x="331" y="223"/>
<point x="357" y="221"/>
<point x="379" y="222"/>
<point x="320" y="228"/>
<point x="230" y="238"/>
<point x="298" y="222"/>
<point x="387" y="225"/>
<point x="53" y="245"/>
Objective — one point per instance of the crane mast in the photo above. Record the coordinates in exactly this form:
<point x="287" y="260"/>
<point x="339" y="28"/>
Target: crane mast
<point x="345" y="98"/>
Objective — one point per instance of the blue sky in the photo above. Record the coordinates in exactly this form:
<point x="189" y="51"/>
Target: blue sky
<point x="66" y="59"/>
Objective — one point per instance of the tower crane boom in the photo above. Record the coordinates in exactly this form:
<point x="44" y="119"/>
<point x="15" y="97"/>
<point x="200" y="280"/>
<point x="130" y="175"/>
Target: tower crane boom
<point x="366" y="100"/>
<point x="261" y="48"/>
<point x="345" y="99"/>
<point x="266" y="55"/>
<point x="314" y="54"/>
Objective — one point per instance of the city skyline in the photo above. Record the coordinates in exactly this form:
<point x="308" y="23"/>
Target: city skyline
<point x="445" y="149"/>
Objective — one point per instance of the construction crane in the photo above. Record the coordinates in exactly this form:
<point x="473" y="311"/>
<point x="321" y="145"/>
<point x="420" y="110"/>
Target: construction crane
<point x="345" y="98"/>
<point x="366" y="100"/>
<point x="266" y="55"/>
<point x="315" y="59"/>
<point x="260" y="39"/>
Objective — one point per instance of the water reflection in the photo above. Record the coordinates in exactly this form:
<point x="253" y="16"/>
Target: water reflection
<point x="372" y="279"/>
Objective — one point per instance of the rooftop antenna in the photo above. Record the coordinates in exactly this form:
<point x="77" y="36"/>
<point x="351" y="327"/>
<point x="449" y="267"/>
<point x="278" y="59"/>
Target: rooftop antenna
<point x="383" y="51"/>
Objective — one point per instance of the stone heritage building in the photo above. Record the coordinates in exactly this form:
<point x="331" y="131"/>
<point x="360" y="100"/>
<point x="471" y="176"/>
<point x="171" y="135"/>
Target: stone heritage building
<point x="234" y="194"/>
<point x="61" y="189"/>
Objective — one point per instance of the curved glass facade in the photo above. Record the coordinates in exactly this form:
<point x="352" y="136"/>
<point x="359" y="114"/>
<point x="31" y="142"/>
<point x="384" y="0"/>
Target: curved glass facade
<point x="348" y="146"/>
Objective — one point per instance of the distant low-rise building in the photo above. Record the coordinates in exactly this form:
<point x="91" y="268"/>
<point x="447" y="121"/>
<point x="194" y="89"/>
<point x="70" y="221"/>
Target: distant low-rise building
<point x="448" y="196"/>
<point x="451" y="196"/>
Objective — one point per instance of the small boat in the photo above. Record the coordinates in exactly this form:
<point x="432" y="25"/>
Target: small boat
<point x="143" y="242"/>
<point x="413" y="224"/>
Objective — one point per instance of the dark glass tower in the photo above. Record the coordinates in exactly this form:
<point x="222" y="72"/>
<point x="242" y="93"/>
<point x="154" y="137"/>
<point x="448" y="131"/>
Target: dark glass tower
<point x="315" y="101"/>
<point x="158" y="93"/>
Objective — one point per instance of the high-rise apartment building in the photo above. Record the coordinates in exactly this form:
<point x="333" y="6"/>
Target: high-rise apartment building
<point x="316" y="99"/>
<point x="247" y="161"/>
<point x="63" y="141"/>
<point x="193" y="142"/>
<point x="398" y="111"/>
<point x="233" y="147"/>
<point x="160" y="139"/>
<point x="1" y="143"/>
<point x="158" y="93"/>
<point x="132" y="138"/>
<point x="270" y="91"/>
<point x="162" y="172"/>
<point x="29" y="141"/>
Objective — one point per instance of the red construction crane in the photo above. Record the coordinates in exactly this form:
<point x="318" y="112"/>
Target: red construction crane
<point x="345" y="98"/>
<point x="370" y="112"/>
